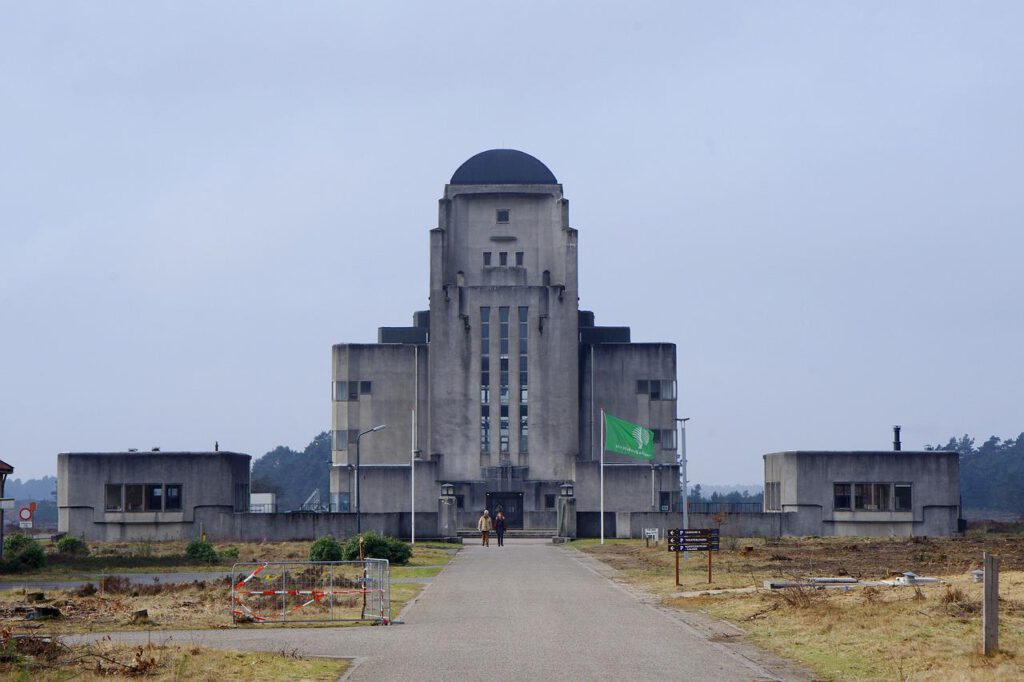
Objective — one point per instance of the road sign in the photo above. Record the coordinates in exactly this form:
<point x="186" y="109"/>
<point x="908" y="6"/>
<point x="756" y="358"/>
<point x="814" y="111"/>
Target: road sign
<point x="693" y="540"/>
<point x="25" y="524"/>
<point x="7" y="503"/>
<point x="25" y="514"/>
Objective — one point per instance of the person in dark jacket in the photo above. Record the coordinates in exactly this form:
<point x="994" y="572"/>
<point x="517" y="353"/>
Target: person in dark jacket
<point x="499" y="527"/>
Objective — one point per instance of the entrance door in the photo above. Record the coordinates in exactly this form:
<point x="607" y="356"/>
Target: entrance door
<point x="511" y="504"/>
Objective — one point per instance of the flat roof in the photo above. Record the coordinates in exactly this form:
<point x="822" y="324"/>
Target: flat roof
<point x="161" y="453"/>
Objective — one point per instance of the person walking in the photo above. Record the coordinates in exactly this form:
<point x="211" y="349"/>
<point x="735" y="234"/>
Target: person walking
<point x="499" y="527"/>
<point x="484" y="526"/>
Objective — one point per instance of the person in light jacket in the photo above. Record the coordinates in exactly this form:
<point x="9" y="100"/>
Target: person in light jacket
<point x="484" y="526"/>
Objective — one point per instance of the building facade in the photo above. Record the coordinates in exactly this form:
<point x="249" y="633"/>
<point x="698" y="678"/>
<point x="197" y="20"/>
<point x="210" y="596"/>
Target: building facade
<point x="505" y="375"/>
<point x="876" y="493"/>
<point x="147" y="495"/>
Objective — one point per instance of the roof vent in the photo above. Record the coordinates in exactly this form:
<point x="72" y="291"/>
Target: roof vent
<point x="896" y="438"/>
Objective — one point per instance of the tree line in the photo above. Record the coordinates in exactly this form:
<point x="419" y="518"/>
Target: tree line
<point x="991" y="474"/>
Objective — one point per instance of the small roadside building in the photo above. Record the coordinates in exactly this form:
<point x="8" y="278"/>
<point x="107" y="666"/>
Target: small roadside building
<point x="147" y="495"/>
<point x="868" y="493"/>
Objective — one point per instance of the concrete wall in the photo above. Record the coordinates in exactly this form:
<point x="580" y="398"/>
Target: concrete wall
<point x="608" y="380"/>
<point x="626" y="488"/>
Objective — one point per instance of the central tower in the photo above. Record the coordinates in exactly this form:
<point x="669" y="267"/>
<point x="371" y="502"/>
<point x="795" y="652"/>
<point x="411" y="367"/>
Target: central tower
<point x="504" y="325"/>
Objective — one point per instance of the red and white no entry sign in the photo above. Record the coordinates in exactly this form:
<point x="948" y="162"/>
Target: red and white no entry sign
<point x="25" y="514"/>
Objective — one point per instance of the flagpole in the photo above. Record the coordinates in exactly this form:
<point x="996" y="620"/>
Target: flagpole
<point x="602" y="476"/>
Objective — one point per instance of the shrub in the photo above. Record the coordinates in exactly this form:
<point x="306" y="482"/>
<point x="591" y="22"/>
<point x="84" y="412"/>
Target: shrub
<point x="204" y="552"/>
<point x="22" y="553"/>
<point x="229" y="552"/>
<point x="13" y="544"/>
<point x="69" y="544"/>
<point x="325" y="549"/>
<point x="377" y="546"/>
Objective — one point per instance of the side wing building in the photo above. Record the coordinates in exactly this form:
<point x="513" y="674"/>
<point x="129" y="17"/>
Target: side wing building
<point x="505" y="374"/>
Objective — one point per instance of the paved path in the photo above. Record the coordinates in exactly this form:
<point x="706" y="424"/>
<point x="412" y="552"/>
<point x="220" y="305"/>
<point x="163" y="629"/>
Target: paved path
<point x="530" y="610"/>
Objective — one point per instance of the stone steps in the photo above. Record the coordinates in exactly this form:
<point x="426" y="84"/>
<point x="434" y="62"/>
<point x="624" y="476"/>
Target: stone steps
<point x="513" y="533"/>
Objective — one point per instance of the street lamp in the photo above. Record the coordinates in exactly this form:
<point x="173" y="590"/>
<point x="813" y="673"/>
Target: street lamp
<point x="359" y="525"/>
<point x="682" y="474"/>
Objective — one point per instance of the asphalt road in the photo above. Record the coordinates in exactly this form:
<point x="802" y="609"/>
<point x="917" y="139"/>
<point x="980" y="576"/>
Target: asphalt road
<point x="530" y="610"/>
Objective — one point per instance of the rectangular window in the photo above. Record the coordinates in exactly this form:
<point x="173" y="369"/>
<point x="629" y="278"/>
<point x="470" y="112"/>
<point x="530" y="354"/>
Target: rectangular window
<point x="772" y="496"/>
<point x="841" y="496"/>
<point x="172" y="499"/>
<point x="503" y="258"/>
<point x="503" y="214"/>
<point x="668" y="389"/>
<point x="154" y="498"/>
<point x="487" y="258"/>
<point x="341" y="390"/>
<point x="341" y="440"/>
<point x="642" y="386"/>
<point x="353" y="390"/>
<point x="503" y="430"/>
<point x="112" y="497"/>
<point x="655" y="391"/>
<point x="524" y="428"/>
<point x="485" y="429"/>
<point x="664" y="500"/>
<point x="668" y="439"/>
<point x="365" y="387"/>
<point x="460" y="501"/>
<point x="519" y="258"/>
<point x="871" y="496"/>
<point x="901" y="497"/>
<point x="133" y="498"/>
<point x="549" y="501"/>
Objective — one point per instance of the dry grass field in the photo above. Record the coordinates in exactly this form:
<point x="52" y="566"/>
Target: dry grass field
<point x="110" y="602"/>
<point x="931" y="632"/>
<point x="44" y="660"/>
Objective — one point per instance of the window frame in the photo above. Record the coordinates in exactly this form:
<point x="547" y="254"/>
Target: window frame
<point x="849" y="496"/>
<point x="167" y="496"/>
<point x="487" y="259"/>
<point x="141" y="487"/>
<point x="501" y="219"/>
<point x="910" y="497"/>
<point x="148" y="491"/>
<point x="120" y="497"/>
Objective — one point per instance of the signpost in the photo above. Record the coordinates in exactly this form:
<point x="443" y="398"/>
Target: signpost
<point x="693" y="540"/>
<point x="25" y="517"/>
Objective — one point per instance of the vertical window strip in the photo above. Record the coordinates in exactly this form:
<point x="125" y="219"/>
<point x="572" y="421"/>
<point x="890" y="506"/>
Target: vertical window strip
<point x="485" y="379"/>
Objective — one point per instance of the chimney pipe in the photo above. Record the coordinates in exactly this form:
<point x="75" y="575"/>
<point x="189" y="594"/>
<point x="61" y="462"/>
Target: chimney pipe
<point x="896" y="438"/>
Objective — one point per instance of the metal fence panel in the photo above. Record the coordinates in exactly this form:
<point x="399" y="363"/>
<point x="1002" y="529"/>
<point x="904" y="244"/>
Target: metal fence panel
<point x="311" y="591"/>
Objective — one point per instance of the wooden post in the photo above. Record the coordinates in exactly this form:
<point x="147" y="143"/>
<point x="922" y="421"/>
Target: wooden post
<point x="990" y="605"/>
<point x="709" y="560"/>
<point x="677" y="568"/>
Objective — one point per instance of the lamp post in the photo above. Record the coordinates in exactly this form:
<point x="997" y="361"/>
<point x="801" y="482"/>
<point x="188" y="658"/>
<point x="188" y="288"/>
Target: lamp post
<point x="683" y="483"/>
<point x="359" y="524"/>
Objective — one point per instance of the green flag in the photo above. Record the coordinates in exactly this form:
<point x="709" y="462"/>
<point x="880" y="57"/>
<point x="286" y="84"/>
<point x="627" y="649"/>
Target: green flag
<point x="626" y="438"/>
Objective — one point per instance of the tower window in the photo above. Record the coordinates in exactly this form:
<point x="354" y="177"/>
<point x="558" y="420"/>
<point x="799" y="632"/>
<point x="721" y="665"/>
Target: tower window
<point x="503" y="258"/>
<point x="519" y="258"/>
<point x="503" y="215"/>
<point x="487" y="257"/>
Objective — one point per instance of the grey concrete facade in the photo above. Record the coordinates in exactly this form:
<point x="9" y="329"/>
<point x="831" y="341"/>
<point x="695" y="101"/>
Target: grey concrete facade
<point x="147" y="495"/>
<point x="507" y="376"/>
<point x="877" y="493"/>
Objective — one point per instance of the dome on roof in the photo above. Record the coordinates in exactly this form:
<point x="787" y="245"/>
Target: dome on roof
<point x="503" y="167"/>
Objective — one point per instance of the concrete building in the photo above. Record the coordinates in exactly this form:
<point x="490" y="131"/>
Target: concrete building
<point x="147" y="495"/>
<point x="886" y="493"/>
<point x="505" y="374"/>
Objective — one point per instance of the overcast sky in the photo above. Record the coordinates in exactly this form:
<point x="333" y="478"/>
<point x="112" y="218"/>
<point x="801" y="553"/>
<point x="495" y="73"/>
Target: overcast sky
<point x="819" y="203"/>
